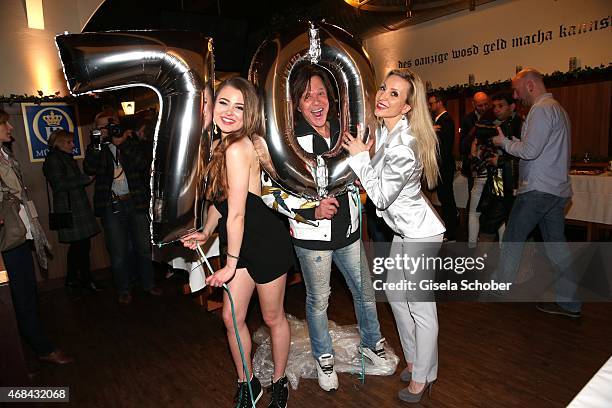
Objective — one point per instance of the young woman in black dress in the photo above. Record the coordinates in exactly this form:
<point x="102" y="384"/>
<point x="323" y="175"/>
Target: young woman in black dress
<point x="259" y="252"/>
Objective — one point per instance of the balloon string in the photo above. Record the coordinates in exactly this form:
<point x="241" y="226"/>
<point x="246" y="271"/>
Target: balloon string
<point x="162" y="244"/>
<point x="204" y="259"/>
<point x="362" y="373"/>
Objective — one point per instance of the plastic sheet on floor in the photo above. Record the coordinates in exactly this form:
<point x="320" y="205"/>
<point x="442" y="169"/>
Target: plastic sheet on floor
<point x="301" y="364"/>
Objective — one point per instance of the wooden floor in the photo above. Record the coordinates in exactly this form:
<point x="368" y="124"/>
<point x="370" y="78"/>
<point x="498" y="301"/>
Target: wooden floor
<point x="169" y="352"/>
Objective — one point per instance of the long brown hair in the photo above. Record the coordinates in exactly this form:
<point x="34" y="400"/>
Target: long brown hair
<point x="421" y="126"/>
<point x="216" y="171"/>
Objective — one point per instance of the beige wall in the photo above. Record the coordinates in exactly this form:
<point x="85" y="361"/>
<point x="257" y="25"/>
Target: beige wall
<point x="29" y="56"/>
<point x="85" y="8"/>
<point x="501" y="19"/>
<point x="29" y="63"/>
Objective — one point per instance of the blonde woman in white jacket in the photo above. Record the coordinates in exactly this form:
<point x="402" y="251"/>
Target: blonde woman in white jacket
<point x="406" y="151"/>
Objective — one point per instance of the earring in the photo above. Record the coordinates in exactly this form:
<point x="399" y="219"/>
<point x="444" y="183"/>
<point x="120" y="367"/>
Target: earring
<point x="215" y="129"/>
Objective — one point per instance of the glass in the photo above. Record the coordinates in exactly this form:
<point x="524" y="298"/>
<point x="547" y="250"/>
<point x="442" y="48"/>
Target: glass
<point x="586" y="158"/>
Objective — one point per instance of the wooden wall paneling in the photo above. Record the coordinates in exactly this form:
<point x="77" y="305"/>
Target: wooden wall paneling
<point x="588" y="106"/>
<point x="452" y="106"/>
<point x="468" y="105"/>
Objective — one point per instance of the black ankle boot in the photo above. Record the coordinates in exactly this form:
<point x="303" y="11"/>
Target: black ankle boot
<point x="280" y="393"/>
<point x="242" y="399"/>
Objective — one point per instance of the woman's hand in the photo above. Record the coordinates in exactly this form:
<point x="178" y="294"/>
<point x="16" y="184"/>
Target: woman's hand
<point x="194" y="239"/>
<point x="354" y="145"/>
<point x="221" y="276"/>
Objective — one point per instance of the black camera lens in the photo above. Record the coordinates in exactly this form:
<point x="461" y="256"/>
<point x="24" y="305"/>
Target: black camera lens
<point x="114" y="130"/>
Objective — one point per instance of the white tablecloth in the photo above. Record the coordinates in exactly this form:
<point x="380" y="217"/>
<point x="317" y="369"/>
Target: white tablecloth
<point x="598" y="391"/>
<point x="197" y="277"/>
<point x="592" y="199"/>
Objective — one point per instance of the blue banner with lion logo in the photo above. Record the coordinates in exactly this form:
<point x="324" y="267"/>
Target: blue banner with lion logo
<point x="41" y="120"/>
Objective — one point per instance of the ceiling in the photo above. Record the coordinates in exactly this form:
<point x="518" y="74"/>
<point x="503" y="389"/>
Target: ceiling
<point x="238" y="27"/>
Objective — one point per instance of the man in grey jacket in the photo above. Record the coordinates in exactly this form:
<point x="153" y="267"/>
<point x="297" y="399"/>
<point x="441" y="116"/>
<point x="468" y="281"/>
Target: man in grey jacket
<point x="544" y="188"/>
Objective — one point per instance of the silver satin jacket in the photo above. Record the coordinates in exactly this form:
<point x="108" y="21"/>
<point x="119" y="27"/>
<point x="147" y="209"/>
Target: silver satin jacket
<point x="392" y="179"/>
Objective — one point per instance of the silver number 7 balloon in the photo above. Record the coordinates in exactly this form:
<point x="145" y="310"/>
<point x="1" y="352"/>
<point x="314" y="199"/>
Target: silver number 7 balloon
<point x="179" y="67"/>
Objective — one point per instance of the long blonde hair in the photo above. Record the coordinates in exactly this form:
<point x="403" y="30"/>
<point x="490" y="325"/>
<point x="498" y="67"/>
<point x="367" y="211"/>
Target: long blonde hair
<point x="421" y="125"/>
<point x="216" y="189"/>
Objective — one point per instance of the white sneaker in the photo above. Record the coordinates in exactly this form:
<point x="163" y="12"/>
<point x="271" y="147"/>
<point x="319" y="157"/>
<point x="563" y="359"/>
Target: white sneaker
<point x="328" y="379"/>
<point x="378" y="356"/>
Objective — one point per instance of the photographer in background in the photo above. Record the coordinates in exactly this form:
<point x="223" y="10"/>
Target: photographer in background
<point x="501" y="168"/>
<point x="121" y="199"/>
<point x="481" y="149"/>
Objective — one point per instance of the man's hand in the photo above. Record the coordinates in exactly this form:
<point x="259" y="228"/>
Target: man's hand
<point x="328" y="207"/>
<point x="499" y="139"/>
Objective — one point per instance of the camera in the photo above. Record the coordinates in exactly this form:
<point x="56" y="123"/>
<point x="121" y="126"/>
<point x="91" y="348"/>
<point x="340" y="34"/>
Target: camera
<point x="484" y="131"/>
<point x="484" y="135"/>
<point x="96" y="139"/>
<point x="114" y="129"/>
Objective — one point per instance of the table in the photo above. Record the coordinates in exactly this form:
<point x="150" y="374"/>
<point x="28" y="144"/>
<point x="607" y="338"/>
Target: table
<point x="597" y="393"/>
<point x="592" y="199"/>
<point x="197" y="277"/>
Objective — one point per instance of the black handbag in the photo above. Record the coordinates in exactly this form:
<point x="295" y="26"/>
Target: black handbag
<point x="60" y="220"/>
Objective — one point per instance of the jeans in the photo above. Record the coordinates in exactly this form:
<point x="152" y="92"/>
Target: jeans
<point x="122" y="227"/>
<point x="532" y="209"/>
<point x="316" y="271"/>
<point x="22" y="281"/>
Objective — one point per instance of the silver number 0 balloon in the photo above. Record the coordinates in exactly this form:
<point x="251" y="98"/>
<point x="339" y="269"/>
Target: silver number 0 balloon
<point x="336" y="51"/>
<point x="179" y="67"/>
